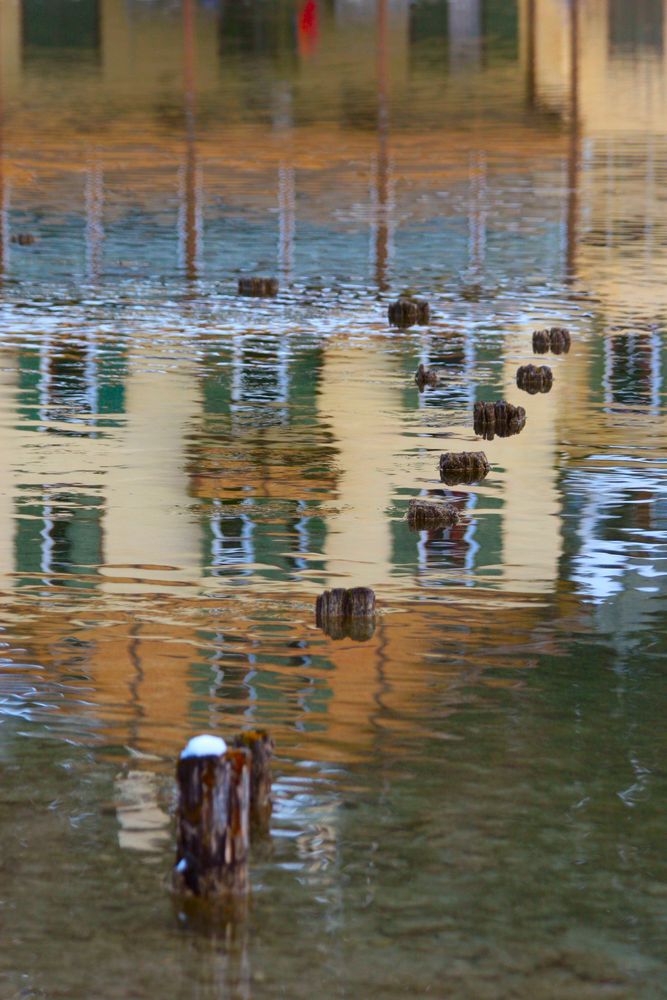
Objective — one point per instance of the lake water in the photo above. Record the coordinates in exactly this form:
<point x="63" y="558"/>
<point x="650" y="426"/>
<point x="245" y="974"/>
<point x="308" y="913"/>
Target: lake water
<point x="471" y="803"/>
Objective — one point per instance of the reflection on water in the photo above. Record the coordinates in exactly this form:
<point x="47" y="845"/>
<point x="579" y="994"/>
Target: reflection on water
<point x="474" y="792"/>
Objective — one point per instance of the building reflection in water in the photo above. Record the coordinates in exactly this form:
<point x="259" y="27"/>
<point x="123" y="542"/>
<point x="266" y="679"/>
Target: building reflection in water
<point x="255" y="480"/>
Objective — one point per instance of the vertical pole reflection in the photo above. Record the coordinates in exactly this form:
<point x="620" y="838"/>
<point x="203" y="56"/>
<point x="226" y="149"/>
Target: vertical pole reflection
<point x="286" y="219"/>
<point x="530" y="52"/>
<point x="190" y="222"/>
<point x="573" y="150"/>
<point x="477" y="213"/>
<point x="282" y="123"/>
<point x="382" y="180"/>
<point x="94" y="218"/>
<point x="3" y="210"/>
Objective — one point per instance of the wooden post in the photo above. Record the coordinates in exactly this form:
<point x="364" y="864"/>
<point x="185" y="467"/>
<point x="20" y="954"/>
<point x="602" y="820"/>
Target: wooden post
<point x="533" y="379"/>
<point x="426" y="376"/>
<point x="259" y="288"/>
<point x="463" y="467"/>
<point x="429" y="514"/>
<point x="260" y="746"/>
<point x="556" y="340"/>
<point x="500" y="418"/>
<point x="409" y="312"/>
<point x="346" y="613"/>
<point x="213" y="818"/>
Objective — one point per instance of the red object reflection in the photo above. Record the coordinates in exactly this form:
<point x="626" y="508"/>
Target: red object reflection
<point x="308" y="28"/>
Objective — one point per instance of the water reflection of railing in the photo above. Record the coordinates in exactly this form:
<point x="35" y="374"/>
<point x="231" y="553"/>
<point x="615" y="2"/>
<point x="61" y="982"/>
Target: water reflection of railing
<point x="632" y="371"/>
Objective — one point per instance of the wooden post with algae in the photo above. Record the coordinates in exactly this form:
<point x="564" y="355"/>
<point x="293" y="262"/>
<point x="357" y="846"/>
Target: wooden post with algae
<point x="213" y="821"/>
<point x="429" y="514"/>
<point x="501" y="419"/>
<point x="463" y="467"/>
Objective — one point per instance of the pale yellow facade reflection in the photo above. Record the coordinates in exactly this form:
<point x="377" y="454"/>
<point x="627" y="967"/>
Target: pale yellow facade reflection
<point x="152" y="549"/>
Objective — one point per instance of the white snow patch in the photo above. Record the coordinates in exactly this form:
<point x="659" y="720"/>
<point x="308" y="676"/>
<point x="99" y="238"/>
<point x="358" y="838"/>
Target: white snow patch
<point x="204" y="746"/>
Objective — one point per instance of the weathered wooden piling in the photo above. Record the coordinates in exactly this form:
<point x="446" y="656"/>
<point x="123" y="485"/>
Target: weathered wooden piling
<point x="560" y="340"/>
<point x="463" y="467"/>
<point x="407" y="311"/>
<point x="499" y="419"/>
<point x="556" y="340"/>
<point x="213" y="821"/>
<point x="260" y="746"/>
<point x="424" y="515"/>
<point x="534" y="379"/>
<point x="426" y="376"/>
<point x="346" y="613"/>
<point x="259" y="288"/>
<point x="23" y="239"/>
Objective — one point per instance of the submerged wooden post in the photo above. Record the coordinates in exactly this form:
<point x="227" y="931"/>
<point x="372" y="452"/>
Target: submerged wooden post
<point x="346" y="613"/>
<point x="260" y="746"/>
<point x="431" y="514"/>
<point x="213" y="828"/>
<point x="426" y="376"/>
<point x="22" y="239"/>
<point x="533" y="379"/>
<point x="259" y="288"/>
<point x="407" y="311"/>
<point x="463" y="467"/>
<point x="500" y="418"/>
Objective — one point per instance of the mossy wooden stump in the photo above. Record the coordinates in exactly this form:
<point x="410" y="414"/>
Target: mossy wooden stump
<point x="463" y="467"/>
<point x="260" y="746"/>
<point x="499" y="419"/>
<point x="427" y="515"/>
<point x="532" y="378"/>
<point x="426" y="376"/>
<point x="346" y="613"/>
<point x="213" y="821"/>
<point x="556" y="340"/>
<point x="405" y="312"/>
<point x="258" y="288"/>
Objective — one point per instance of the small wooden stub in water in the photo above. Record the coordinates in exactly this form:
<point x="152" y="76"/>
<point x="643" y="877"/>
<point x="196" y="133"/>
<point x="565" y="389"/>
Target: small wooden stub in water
<point x="406" y="312"/>
<point x="259" y="288"/>
<point x="534" y="379"/>
<point x="426" y="376"/>
<point x="213" y="820"/>
<point x="556" y="340"/>
<point x="23" y="239"/>
<point x="498" y="419"/>
<point x="429" y="514"/>
<point x="346" y="613"/>
<point x="260" y="746"/>
<point x="463" y="467"/>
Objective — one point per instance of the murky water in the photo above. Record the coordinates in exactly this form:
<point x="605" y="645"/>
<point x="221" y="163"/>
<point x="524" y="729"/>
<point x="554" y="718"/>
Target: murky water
<point x="471" y="803"/>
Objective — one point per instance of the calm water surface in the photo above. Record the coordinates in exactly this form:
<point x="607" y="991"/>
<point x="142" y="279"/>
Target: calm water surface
<point x="471" y="804"/>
